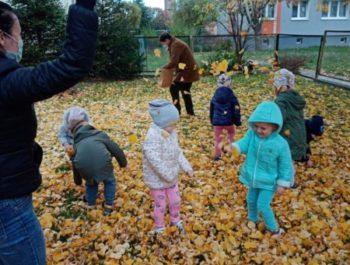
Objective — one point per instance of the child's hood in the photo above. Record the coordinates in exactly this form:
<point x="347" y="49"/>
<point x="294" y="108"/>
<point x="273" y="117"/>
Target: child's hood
<point x="267" y="112"/>
<point x="223" y="95"/>
<point x="293" y="98"/>
<point x="84" y="132"/>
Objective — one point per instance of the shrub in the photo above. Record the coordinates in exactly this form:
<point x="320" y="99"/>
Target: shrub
<point x="292" y="62"/>
<point x="117" y="52"/>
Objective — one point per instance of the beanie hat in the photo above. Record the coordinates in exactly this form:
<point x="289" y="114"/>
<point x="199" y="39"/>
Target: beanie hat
<point x="163" y="112"/>
<point x="224" y="80"/>
<point x="284" y="77"/>
<point x="316" y="125"/>
<point x="76" y="116"/>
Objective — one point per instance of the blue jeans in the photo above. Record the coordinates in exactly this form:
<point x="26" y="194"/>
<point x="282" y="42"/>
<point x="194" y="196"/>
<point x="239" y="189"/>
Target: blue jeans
<point x="109" y="191"/>
<point x="21" y="238"/>
<point x="258" y="201"/>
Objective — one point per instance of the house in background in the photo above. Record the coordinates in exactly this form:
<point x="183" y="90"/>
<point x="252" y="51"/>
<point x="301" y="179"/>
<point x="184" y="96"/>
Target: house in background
<point x="308" y="17"/>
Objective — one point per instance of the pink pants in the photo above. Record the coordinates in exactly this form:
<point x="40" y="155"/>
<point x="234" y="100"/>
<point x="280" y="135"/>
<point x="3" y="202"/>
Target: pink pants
<point x="218" y="130"/>
<point x="160" y="197"/>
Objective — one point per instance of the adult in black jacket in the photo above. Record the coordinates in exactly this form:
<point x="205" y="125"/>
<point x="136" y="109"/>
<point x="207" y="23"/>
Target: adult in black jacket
<point x="21" y="238"/>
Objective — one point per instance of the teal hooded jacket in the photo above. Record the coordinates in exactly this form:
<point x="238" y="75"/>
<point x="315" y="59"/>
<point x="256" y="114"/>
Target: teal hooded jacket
<point x="268" y="160"/>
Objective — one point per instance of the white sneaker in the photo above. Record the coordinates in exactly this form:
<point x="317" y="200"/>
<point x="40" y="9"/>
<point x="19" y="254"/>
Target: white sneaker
<point x="180" y="227"/>
<point x="159" y="230"/>
<point x="278" y="233"/>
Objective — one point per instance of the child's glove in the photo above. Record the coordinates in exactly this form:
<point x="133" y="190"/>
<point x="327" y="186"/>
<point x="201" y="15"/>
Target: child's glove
<point x="69" y="150"/>
<point x="190" y="173"/>
<point x="280" y="190"/>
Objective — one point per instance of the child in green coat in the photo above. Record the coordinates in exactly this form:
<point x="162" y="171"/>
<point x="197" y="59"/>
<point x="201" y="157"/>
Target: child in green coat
<point x="94" y="151"/>
<point x="292" y="105"/>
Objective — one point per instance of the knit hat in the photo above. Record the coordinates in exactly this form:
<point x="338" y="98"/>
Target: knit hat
<point x="224" y="80"/>
<point x="316" y="125"/>
<point x="163" y="112"/>
<point x="284" y="77"/>
<point x="76" y="116"/>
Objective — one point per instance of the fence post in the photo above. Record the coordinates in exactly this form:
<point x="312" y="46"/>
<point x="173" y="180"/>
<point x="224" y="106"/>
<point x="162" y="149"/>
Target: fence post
<point x="191" y="42"/>
<point x="277" y="43"/>
<point x="320" y="55"/>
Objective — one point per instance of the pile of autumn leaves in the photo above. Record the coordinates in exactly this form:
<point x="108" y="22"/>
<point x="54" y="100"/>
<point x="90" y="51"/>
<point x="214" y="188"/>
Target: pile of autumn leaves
<point x="316" y="215"/>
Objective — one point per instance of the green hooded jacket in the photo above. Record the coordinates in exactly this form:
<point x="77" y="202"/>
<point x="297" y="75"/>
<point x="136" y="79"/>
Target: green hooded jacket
<point x="93" y="154"/>
<point x="292" y="105"/>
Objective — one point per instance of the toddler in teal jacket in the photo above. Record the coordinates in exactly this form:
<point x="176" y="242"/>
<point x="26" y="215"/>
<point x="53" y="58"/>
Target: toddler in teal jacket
<point x="268" y="166"/>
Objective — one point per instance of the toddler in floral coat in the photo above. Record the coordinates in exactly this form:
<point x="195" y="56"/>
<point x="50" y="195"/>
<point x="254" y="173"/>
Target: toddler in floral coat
<point x="163" y="160"/>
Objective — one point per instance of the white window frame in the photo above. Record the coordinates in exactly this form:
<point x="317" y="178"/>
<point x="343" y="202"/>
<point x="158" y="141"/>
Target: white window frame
<point x="328" y="17"/>
<point x="298" y="17"/>
<point x="266" y="12"/>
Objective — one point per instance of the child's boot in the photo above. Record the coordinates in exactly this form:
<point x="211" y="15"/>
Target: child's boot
<point x="107" y="209"/>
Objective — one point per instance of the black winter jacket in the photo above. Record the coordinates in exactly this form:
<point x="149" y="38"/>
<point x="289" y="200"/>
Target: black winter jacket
<point x="224" y="108"/>
<point x="20" y="87"/>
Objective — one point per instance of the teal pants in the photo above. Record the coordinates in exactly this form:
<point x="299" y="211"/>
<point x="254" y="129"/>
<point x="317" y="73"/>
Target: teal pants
<point x="258" y="202"/>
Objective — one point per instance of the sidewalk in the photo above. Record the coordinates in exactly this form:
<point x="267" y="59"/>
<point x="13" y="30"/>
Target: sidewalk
<point x="325" y="79"/>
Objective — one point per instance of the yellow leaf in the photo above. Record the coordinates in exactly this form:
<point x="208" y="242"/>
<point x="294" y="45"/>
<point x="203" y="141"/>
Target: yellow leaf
<point x="132" y="138"/>
<point x="46" y="220"/>
<point x="222" y="67"/>
<point x="201" y="71"/>
<point x="182" y="66"/>
<point x="250" y="245"/>
<point x="59" y="256"/>
<point x="287" y="132"/>
<point x="157" y="52"/>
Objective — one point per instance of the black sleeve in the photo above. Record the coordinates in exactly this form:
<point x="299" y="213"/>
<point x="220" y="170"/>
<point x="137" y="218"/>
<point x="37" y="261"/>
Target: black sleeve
<point x="31" y="84"/>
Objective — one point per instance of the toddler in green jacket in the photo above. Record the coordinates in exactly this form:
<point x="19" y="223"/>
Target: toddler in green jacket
<point x="94" y="151"/>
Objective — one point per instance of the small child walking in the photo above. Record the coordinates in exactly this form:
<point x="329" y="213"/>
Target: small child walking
<point x="93" y="159"/>
<point x="268" y="165"/>
<point x="163" y="160"/>
<point x="225" y="113"/>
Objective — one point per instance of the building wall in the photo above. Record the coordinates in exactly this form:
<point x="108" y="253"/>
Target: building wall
<point x="314" y="24"/>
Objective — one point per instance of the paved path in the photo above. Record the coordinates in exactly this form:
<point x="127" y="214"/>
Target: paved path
<point x="325" y="79"/>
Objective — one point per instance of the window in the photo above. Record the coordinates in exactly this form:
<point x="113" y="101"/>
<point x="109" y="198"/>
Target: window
<point x="300" y="10"/>
<point x="269" y="11"/>
<point x="299" y="41"/>
<point x="266" y="42"/>
<point x="343" y="40"/>
<point x="334" y="9"/>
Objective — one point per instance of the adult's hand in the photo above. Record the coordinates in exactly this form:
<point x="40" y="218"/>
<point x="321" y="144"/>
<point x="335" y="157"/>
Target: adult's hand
<point x="89" y="4"/>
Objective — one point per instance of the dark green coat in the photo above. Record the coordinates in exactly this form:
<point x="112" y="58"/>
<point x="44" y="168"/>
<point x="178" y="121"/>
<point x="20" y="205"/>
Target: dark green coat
<point x="93" y="154"/>
<point x="292" y="107"/>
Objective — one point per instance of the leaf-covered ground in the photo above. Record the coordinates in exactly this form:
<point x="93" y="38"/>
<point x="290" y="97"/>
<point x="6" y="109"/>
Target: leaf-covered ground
<point x="316" y="215"/>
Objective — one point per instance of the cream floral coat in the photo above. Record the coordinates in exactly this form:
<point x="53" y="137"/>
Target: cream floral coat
<point x="163" y="158"/>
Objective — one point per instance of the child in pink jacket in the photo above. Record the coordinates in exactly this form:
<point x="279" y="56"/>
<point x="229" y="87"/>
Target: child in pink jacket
<point x="163" y="160"/>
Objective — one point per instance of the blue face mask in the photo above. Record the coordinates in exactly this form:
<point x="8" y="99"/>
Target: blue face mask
<point x="17" y="56"/>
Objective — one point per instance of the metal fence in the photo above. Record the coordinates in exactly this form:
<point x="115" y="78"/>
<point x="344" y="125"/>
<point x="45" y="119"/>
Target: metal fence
<point x="325" y="55"/>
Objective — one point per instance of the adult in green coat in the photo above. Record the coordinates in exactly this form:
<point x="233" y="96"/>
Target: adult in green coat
<point x="292" y="106"/>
